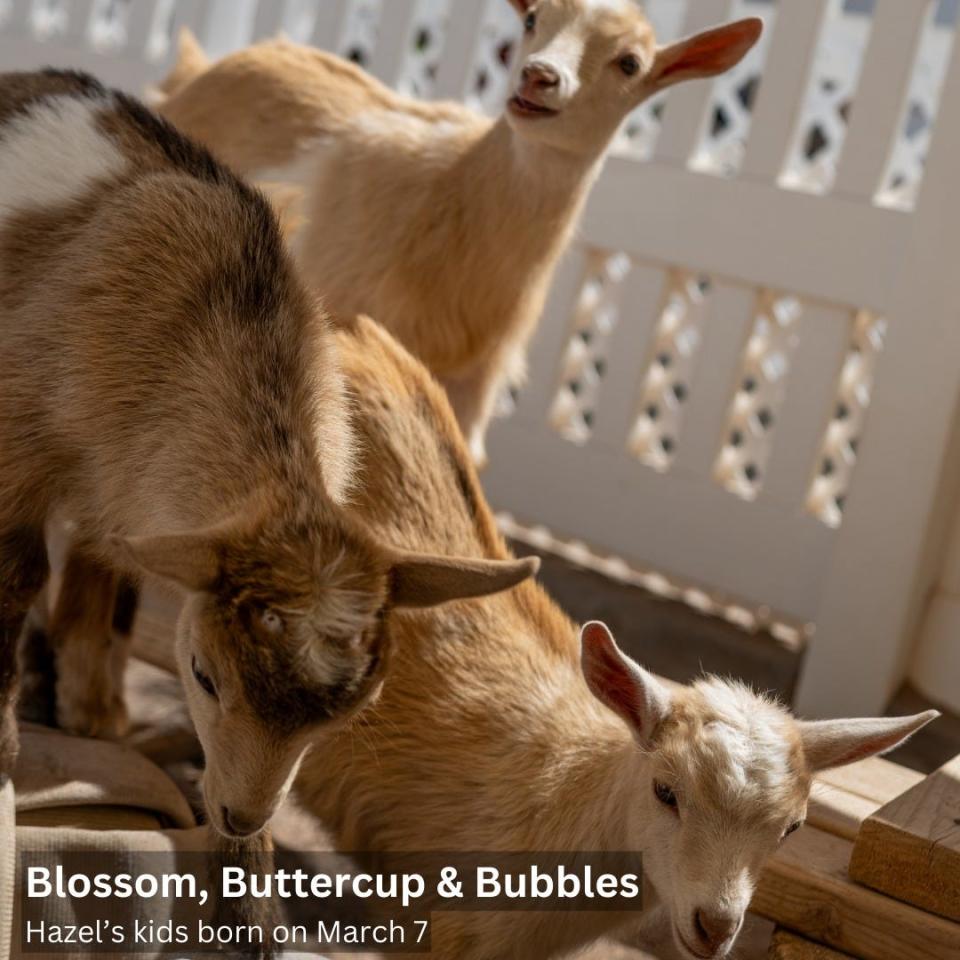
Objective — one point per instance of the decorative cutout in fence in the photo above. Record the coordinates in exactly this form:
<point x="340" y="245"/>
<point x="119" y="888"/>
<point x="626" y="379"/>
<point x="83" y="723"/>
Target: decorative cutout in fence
<point x="665" y="390"/>
<point x="585" y="359"/>
<point x="839" y="455"/>
<point x="759" y="396"/>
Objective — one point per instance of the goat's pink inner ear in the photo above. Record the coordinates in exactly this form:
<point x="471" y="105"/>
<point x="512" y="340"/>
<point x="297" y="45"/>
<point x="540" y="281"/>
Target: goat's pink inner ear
<point x="706" y="54"/>
<point x="619" y="683"/>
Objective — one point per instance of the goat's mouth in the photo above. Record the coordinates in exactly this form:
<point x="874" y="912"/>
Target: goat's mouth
<point x="521" y="107"/>
<point x="693" y="953"/>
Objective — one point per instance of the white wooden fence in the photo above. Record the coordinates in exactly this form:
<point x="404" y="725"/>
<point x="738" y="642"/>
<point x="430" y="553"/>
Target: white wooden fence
<point x="745" y="387"/>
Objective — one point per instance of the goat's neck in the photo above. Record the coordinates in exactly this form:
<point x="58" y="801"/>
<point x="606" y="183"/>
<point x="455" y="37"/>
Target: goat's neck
<point x="532" y="190"/>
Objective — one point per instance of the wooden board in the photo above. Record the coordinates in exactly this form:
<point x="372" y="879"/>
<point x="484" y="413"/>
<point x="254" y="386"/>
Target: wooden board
<point x="788" y="946"/>
<point x="806" y="888"/>
<point x="842" y="799"/>
<point x="910" y="849"/>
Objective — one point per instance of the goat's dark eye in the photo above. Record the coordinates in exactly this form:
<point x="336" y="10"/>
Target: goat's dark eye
<point x="530" y="24"/>
<point x="629" y="64"/>
<point x="206" y="684"/>
<point x="793" y="828"/>
<point x="666" y="796"/>
<point x="271" y="621"/>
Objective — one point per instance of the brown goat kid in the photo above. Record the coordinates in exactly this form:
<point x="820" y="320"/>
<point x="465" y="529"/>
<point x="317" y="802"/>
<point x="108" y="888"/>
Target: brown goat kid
<point x="441" y="224"/>
<point x="170" y="388"/>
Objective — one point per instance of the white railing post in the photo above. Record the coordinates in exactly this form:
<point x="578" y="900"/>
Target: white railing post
<point x="874" y="124"/>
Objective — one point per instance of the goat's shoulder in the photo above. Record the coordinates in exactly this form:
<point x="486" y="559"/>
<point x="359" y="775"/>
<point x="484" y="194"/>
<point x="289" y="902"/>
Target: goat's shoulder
<point x="20" y="91"/>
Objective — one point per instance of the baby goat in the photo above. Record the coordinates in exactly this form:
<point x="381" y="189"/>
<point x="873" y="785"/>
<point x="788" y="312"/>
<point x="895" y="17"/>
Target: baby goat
<point x="166" y="385"/>
<point x="443" y="225"/>
<point x="502" y="730"/>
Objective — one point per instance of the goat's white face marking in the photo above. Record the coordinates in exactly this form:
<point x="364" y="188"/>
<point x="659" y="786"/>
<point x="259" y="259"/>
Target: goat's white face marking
<point x="53" y="154"/>
<point x="735" y="768"/>
<point x="582" y="96"/>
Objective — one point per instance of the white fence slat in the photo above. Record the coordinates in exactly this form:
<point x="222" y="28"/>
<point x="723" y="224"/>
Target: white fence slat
<point x="79" y="13"/>
<point x="193" y="15"/>
<point x="883" y="564"/>
<point x="551" y="339"/>
<point x="330" y="24"/>
<point x="629" y="352"/>
<point x="780" y="98"/>
<point x="139" y="24"/>
<point x="729" y="318"/>
<point x="750" y="231"/>
<point x="268" y="21"/>
<point x="878" y="112"/>
<point x="459" y="50"/>
<point x="686" y="106"/>
<point x="229" y="26"/>
<point x="815" y="365"/>
<point x="393" y="39"/>
<point x="18" y="20"/>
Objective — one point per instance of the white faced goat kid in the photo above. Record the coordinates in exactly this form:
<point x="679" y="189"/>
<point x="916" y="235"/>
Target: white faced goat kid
<point x="717" y="779"/>
<point x="443" y="225"/>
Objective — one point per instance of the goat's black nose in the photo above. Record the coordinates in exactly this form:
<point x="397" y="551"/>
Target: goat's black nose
<point x="541" y="75"/>
<point x="714" y="929"/>
<point x="238" y="823"/>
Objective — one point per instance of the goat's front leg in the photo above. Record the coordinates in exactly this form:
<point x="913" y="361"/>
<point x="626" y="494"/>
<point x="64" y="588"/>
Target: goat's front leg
<point x="37" y="702"/>
<point x="23" y="572"/>
<point x="90" y="634"/>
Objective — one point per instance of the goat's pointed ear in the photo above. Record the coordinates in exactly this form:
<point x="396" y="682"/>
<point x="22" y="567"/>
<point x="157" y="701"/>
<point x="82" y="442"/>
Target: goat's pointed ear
<point x="706" y="54"/>
<point x="189" y="561"/>
<point x="624" y="686"/>
<point x="427" y="581"/>
<point x="835" y="743"/>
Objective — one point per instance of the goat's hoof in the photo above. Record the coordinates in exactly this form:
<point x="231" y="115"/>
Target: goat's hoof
<point x="96" y="720"/>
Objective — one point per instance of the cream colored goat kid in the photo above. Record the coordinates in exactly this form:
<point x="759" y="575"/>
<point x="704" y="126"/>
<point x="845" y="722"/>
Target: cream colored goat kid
<point x="441" y="224"/>
<point x="501" y="729"/>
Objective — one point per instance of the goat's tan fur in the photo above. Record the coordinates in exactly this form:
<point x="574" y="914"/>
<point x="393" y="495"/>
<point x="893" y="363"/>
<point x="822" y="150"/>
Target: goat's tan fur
<point x="167" y="382"/>
<point x="441" y="224"/>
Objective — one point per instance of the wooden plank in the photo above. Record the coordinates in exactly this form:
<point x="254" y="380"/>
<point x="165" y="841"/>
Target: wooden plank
<point x="780" y="99"/>
<point x="686" y="106"/>
<point x="842" y="799"/>
<point x="788" y="946"/>
<point x="910" y="849"/>
<point x="878" y="112"/>
<point x="874" y="779"/>
<point x="806" y="888"/>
